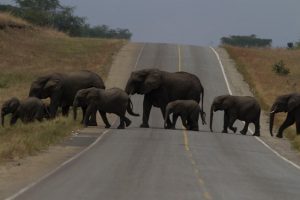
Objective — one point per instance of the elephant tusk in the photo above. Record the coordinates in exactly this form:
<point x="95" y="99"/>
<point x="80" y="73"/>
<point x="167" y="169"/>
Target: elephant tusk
<point x="272" y="112"/>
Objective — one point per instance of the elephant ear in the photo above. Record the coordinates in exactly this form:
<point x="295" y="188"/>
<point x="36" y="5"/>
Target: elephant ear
<point x="226" y="102"/>
<point x="51" y="85"/>
<point x="152" y="81"/>
<point x="293" y="102"/>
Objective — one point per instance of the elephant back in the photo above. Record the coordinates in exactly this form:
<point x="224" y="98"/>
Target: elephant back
<point x="183" y="85"/>
<point x="76" y="81"/>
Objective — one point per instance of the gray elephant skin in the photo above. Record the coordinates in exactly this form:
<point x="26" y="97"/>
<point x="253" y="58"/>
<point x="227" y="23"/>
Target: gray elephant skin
<point x="81" y="100"/>
<point x="188" y="110"/>
<point x="27" y="110"/>
<point x="161" y="87"/>
<point x="244" y="108"/>
<point x="113" y="100"/>
<point x="61" y="88"/>
<point x="289" y="103"/>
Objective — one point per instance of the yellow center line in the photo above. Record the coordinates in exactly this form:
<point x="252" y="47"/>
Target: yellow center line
<point x="201" y="182"/>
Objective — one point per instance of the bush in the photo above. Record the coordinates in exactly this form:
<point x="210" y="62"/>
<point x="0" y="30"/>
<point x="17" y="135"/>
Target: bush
<point x="280" y="69"/>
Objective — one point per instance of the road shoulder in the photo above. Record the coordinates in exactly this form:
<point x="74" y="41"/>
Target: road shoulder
<point x="240" y="87"/>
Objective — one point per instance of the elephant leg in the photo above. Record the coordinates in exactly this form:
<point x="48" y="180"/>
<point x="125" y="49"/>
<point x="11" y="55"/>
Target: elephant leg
<point x="232" y="119"/>
<point x="245" y="129"/>
<point x="288" y="122"/>
<point x="92" y="120"/>
<point x="122" y="123"/>
<point x="91" y="109"/>
<point x="65" y="110"/>
<point x="13" y="119"/>
<point x="175" y="117"/>
<point x="168" y="124"/>
<point x="297" y="119"/>
<point x="146" y="112"/>
<point x="127" y="121"/>
<point x="226" y="122"/>
<point x="104" y="118"/>
<point x="184" y="122"/>
<point x="83" y="108"/>
<point x="257" y="128"/>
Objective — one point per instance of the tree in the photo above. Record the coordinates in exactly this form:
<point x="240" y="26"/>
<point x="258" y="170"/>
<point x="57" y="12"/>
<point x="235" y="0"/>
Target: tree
<point x="246" y="41"/>
<point x="43" y="5"/>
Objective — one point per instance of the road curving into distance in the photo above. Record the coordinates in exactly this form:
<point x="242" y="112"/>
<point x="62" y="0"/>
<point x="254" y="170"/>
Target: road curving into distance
<point x="154" y="163"/>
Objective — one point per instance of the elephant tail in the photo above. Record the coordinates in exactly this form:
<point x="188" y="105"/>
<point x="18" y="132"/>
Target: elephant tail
<point x="202" y="115"/>
<point x="130" y="107"/>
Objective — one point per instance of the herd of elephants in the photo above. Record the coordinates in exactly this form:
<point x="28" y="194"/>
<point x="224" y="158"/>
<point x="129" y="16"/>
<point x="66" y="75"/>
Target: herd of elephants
<point x="178" y="93"/>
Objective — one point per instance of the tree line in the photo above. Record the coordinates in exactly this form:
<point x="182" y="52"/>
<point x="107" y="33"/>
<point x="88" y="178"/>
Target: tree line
<point x="51" y="13"/>
<point x="246" y="41"/>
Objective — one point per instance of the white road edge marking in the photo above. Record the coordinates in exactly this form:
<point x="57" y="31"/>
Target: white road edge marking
<point x="72" y="158"/>
<point x="258" y="139"/>
<point x="57" y="168"/>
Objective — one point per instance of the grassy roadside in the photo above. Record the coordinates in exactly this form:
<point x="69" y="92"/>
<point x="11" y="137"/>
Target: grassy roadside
<point x="256" y="66"/>
<point x="28" y="52"/>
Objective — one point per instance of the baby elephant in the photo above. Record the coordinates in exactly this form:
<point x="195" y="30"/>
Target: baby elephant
<point x="188" y="110"/>
<point x="112" y="100"/>
<point x="244" y="108"/>
<point x="27" y="110"/>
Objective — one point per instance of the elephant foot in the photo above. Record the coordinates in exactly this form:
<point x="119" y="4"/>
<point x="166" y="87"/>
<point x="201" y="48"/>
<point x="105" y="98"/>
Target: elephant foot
<point x="144" y="125"/>
<point x="279" y="135"/>
<point x="243" y="132"/>
<point x="256" y="134"/>
<point x="127" y="123"/>
<point x="195" y="129"/>
<point x="107" y="126"/>
<point x="92" y="123"/>
<point x="224" y="131"/>
<point x="121" y="127"/>
<point x="234" y="129"/>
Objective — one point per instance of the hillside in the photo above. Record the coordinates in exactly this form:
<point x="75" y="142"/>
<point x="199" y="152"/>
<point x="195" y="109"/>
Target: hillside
<point x="256" y="66"/>
<point x="26" y="52"/>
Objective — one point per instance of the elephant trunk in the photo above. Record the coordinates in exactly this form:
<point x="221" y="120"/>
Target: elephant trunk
<point x="272" y="115"/>
<point x="211" y="117"/>
<point x="75" y="105"/>
<point x="203" y="115"/>
<point x="2" y="118"/>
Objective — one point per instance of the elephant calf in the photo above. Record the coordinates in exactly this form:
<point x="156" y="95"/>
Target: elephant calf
<point x="27" y="110"/>
<point x="112" y="100"/>
<point x="244" y="108"/>
<point x="188" y="110"/>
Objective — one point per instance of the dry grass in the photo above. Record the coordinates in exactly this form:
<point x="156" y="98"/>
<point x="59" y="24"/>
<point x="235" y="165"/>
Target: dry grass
<point x="7" y="20"/>
<point x="28" y="53"/>
<point x="256" y="66"/>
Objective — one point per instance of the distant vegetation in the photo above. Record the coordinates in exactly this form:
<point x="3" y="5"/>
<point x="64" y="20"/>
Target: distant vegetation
<point x="246" y="41"/>
<point x="51" y="13"/>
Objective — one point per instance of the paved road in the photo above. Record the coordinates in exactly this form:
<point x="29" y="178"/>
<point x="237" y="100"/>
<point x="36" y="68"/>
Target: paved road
<point x="148" y="164"/>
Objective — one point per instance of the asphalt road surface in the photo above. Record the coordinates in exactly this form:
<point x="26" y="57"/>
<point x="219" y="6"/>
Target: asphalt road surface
<point x="152" y="164"/>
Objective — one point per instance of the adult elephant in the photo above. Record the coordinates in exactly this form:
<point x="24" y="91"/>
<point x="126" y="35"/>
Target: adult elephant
<point x="289" y="103"/>
<point x="113" y="100"/>
<point x="161" y="87"/>
<point x="61" y="88"/>
<point x="27" y="110"/>
<point x="244" y="108"/>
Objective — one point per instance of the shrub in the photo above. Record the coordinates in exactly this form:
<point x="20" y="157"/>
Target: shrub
<point x="279" y="68"/>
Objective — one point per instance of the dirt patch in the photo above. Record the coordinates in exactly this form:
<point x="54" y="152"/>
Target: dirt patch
<point x="240" y="87"/>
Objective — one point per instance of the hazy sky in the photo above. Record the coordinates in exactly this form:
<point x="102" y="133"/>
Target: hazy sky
<point x="199" y="22"/>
